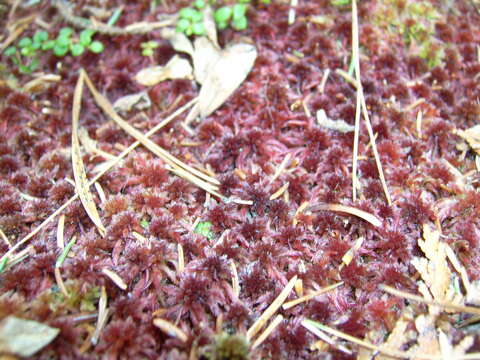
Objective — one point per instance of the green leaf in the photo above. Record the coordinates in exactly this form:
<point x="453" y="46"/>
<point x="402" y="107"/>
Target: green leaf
<point x="66" y="31"/>
<point x="96" y="47"/>
<point x="60" y="50"/>
<point x="27" y="51"/>
<point x="86" y="37"/>
<point x="77" y="49"/>
<point x="223" y="14"/>
<point x="64" y="253"/>
<point x="48" y="45"/>
<point x="199" y="4"/>
<point x="115" y="16"/>
<point x="10" y="51"/>
<point x="36" y="45"/>
<point x="3" y="264"/>
<point x="182" y="25"/>
<point x="25" y="42"/>
<point x="197" y="17"/>
<point x="24" y="69"/>
<point x="34" y="64"/>
<point x="240" y="23"/>
<point x="63" y="40"/>
<point x="187" y="13"/>
<point x="239" y="11"/>
<point x="40" y="36"/>
<point x="147" y="52"/>
<point x="144" y="223"/>
<point x="339" y="2"/>
<point x="222" y="25"/>
<point x="204" y="228"/>
<point x="198" y="29"/>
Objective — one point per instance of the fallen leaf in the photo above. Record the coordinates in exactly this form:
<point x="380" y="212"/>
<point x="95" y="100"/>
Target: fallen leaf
<point x="204" y="58"/>
<point x="225" y="76"/>
<point x="81" y="182"/>
<point x="179" y="41"/>
<point x="176" y="68"/>
<point x="24" y="337"/>
<point x="434" y="268"/>
<point x="210" y="26"/>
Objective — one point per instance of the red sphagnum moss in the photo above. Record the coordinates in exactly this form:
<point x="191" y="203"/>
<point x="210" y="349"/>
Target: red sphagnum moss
<point x="271" y="116"/>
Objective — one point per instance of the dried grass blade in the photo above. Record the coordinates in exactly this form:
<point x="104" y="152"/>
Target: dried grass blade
<point x="278" y="319"/>
<point x="170" y="329"/>
<point x="356" y="53"/>
<point x="115" y="278"/>
<point x="98" y="176"/>
<point x="381" y="349"/>
<point x="445" y="305"/>
<point x="60" y="228"/>
<point x="274" y="306"/>
<point x="315" y="330"/>
<point x="280" y="168"/>
<point x="5" y="238"/>
<point x="105" y="105"/>
<point x="349" y="210"/>
<point x="60" y="283"/>
<point x="235" y="280"/>
<point x="292" y="303"/>
<point x="102" y="315"/>
<point x="81" y="182"/>
<point x="181" y="259"/>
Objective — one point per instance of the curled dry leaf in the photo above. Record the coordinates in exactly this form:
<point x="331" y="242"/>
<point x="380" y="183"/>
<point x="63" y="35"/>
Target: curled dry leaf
<point x="176" y="68"/>
<point x="471" y="136"/>
<point x="210" y="26"/>
<point x="138" y="101"/>
<point x="24" y="337"/>
<point x="337" y="125"/>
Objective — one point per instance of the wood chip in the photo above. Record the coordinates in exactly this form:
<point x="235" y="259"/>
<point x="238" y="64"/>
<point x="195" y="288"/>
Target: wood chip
<point x="349" y="210"/>
<point x="115" y="278"/>
<point x="268" y="313"/>
<point x="310" y="296"/>
<point x="271" y="327"/>
<point x="81" y="182"/>
<point x="170" y="329"/>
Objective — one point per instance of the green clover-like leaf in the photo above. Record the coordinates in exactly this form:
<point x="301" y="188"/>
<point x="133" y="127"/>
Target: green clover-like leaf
<point x="86" y="37"/>
<point x="66" y="31"/>
<point x="77" y="49"/>
<point x="223" y="15"/>
<point x="25" y="42"/>
<point x="96" y="47"/>
<point x="60" y="50"/>
<point x="240" y="24"/>
<point x="10" y="51"/>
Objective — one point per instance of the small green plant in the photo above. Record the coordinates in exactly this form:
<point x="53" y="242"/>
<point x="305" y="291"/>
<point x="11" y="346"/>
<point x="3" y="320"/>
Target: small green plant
<point x="25" y="54"/>
<point x="204" y="228"/>
<point x="225" y="346"/>
<point x="235" y="15"/>
<point x="191" y="19"/>
<point x="148" y="47"/>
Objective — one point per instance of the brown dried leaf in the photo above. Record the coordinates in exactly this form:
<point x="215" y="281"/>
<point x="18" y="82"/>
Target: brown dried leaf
<point x="225" y="76"/>
<point x="81" y="182"/>
<point x="210" y="26"/>
<point x="24" y="337"/>
<point x="41" y="83"/>
<point x="471" y="136"/>
<point x="204" y="58"/>
<point x="179" y="41"/>
<point x="434" y="268"/>
<point x="176" y="68"/>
